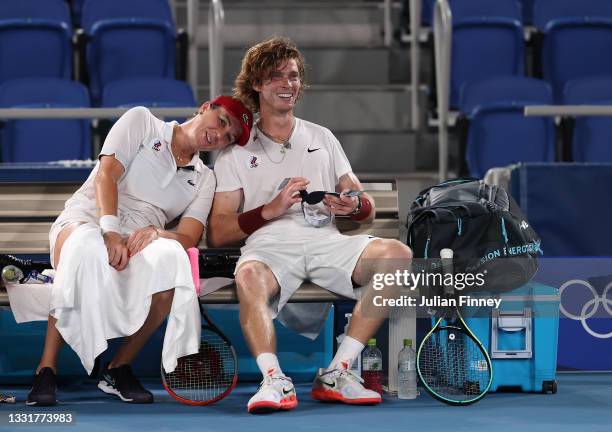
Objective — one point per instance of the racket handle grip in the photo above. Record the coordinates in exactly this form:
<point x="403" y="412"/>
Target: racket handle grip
<point x="446" y="256"/>
<point x="447" y="260"/>
<point x="193" y="254"/>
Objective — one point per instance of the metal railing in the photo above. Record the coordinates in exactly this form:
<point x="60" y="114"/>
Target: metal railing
<point x="216" y="21"/>
<point x="568" y="110"/>
<point x="443" y="39"/>
<point x="88" y="113"/>
<point x="192" y="31"/>
<point x="415" y="62"/>
<point x="387" y="24"/>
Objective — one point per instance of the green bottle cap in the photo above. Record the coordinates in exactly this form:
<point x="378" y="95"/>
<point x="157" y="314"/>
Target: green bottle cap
<point x="407" y="342"/>
<point x="372" y="342"/>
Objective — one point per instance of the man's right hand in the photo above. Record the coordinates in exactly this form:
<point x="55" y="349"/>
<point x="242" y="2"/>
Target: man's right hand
<point x="288" y="196"/>
<point x="117" y="250"/>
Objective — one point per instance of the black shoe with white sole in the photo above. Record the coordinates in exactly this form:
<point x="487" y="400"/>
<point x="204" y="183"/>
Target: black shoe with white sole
<point x="122" y="383"/>
<point x="43" y="389"/>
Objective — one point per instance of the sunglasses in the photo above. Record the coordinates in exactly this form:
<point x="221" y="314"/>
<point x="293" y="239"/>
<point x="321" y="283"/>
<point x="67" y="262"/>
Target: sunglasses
<point x="316" y="197"/>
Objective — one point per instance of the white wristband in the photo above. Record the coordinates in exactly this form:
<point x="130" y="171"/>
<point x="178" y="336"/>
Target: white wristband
<point x="109" y="223"/>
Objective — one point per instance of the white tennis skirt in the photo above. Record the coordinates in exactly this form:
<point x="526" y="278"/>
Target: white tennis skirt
<point x="93" y="302"/>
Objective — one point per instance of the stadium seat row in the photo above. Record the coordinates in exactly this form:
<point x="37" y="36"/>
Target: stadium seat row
<point x="497" y="133"/>
<point x="35" y="140"/>
<point x="119" y="39"/>
<point x="488" y="41"/>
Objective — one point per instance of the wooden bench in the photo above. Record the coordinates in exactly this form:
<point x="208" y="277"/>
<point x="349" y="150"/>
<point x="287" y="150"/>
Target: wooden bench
<point x="27" y="211"/>
<point x="308" y="293"/>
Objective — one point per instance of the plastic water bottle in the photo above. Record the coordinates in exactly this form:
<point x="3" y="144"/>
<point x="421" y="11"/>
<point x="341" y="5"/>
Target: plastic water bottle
<point x="372" y="367"/>
<point x="12" y="274"/>
<point x="406" y="376"/>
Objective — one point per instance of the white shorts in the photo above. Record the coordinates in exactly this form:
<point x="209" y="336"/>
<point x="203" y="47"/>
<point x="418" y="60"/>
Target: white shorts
<point x="326" y="261"/>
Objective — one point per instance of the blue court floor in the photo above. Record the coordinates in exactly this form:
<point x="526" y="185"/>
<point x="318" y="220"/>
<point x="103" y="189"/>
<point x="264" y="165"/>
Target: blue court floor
<point x="583" y="403"/>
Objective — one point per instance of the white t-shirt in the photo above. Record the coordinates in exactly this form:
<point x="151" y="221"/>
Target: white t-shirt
<point x="259" y="168"/>
<point x="151" y="191"/>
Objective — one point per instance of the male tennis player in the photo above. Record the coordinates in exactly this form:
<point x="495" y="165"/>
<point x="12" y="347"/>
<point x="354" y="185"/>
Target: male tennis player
<point x="258" y="199"/>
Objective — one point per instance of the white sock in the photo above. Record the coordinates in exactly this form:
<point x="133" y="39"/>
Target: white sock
<point x="268" y="364"/>
<point x="347" y="352"/>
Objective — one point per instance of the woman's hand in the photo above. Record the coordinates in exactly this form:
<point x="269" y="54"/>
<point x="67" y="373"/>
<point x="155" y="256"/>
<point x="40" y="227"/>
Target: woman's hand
<point x="117" y="250"/>
<point x="140" y="238"/>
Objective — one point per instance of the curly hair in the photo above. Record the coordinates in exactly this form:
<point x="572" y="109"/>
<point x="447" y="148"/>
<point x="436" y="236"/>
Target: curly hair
<point x="258" y="64"/>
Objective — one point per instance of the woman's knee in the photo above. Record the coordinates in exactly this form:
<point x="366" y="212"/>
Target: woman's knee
<point x="165" y="251"/>
<point x="61" y="239"/>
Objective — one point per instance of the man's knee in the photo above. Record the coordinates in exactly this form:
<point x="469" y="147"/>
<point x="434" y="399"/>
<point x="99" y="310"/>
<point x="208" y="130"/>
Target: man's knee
<point x="390" y="249"/>
<point x="255" y="280"/>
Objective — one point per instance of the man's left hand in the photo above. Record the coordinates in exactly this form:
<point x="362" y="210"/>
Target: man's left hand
<point x="140" y="239"/>
<point x="342" y="205"/>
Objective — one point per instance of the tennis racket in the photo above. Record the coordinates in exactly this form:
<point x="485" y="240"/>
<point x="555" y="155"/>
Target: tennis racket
<point x="452" y="363"/>
<point x="212" y="373"/>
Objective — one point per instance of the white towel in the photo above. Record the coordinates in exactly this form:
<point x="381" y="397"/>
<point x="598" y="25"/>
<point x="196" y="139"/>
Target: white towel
<point x="93" y="302"/>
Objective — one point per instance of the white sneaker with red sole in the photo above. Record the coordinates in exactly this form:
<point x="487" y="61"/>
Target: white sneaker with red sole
<point x="274" y="393"/>
<point x="342" y="385"/>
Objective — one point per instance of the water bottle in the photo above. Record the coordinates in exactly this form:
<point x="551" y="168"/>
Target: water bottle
<point x="406" y="376"/>
<point x="372" y="367"/>
<point x="12" y="274"/>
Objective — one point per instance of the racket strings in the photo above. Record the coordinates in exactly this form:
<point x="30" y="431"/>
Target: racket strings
<point x="453" y="366"/>
<point x="206" y="375"/>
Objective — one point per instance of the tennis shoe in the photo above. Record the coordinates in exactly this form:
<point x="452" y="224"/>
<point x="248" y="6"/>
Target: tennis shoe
<point x="274" y="393"/>
<point x="122" y="383"/>
<point x="44" y="389"/>
<point x="342" y="385"/>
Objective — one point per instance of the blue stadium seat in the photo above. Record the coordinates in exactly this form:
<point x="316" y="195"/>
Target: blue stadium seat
<point x="485" y="48"/>
<point x="44" y="140"/>
<point x="126" y="39"/>
<point x="35" y="38"/>
<point x="462" y="9"/>
<point x="149" y="92"/>
<point x="488" y="41"/>
<point x="575" y="36"/>
<point x="591" y="140"/>
<point x="545" y="11"/>
<point x="499" y="133"/>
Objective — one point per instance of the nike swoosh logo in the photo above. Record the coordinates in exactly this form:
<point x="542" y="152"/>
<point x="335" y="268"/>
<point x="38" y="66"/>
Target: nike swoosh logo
<point x="287" y="391"/>
<point x="313" y="150"/>
<point x="191" y="182"/>
<point x="331" y="384"/>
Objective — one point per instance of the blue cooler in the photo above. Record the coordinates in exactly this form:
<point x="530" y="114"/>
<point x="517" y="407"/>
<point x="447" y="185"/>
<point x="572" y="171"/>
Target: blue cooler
<point x="521" y="337"/>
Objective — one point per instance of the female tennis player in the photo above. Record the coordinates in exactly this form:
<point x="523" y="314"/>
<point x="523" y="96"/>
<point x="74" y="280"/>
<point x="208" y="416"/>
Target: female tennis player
<point x="119" y="273"/>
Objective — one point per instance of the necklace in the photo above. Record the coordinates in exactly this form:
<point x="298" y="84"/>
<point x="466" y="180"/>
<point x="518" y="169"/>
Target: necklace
<point x="285" y="144"/>
<point x="175" y="151"/>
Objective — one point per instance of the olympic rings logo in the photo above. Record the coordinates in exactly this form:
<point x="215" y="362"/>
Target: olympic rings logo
<point x="590" y="308"/>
